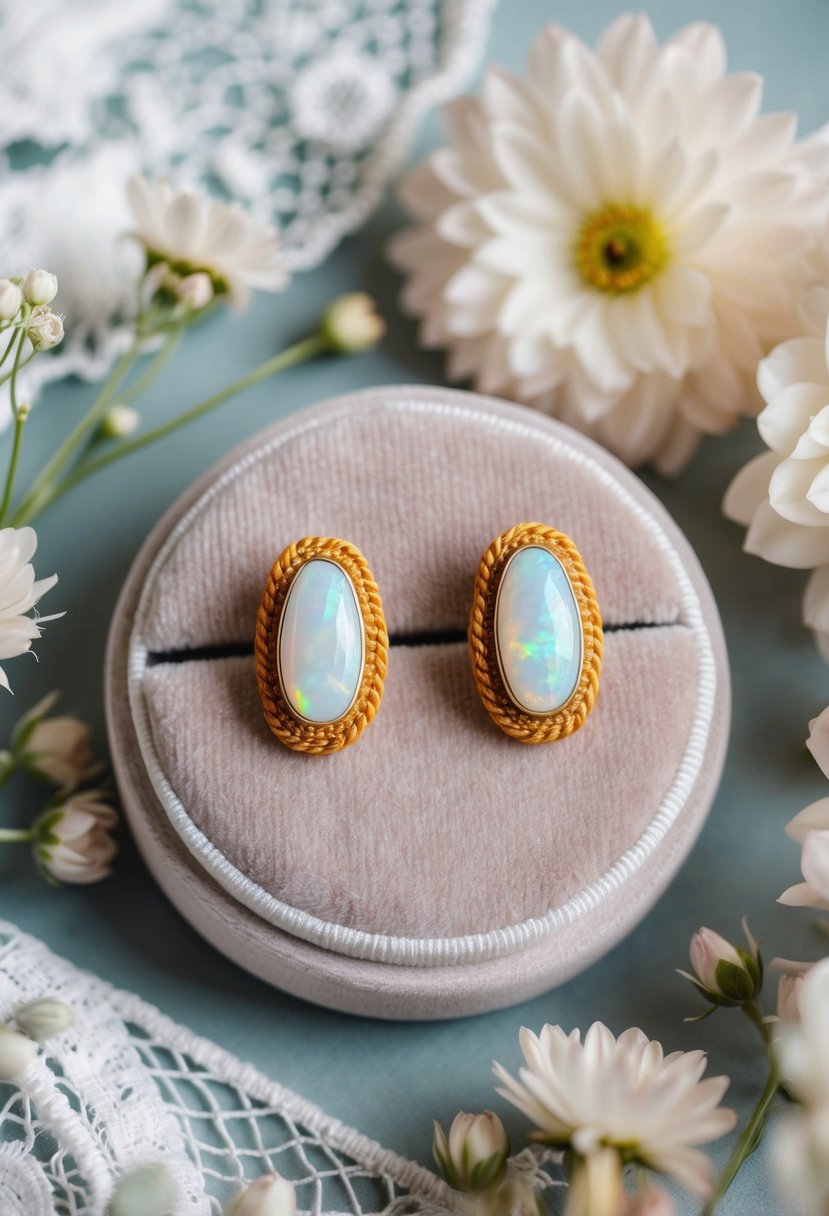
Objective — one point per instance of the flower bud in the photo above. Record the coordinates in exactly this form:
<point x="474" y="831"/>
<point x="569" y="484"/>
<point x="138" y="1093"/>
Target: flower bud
<point x="40" y="287"/>
<point x="16" y="1053"/>
<point x="120" y="422"/>
<point x="727" y="974"/>
<point x="43" y="1019"/>
<point x="788" y="998"/>
<point x="73" y="843"/>
<point x="54" y="749"/>
<point x="351" y="324"/>
<point x="11" y="297"/>
<point x="195" y="290"/>
<point x="652" y="1201"/>
<point x="474" y="1157"/>
<point x="149" y="1190"/>
<point x="270" y="1196"/>
<point x="45" y="329"/>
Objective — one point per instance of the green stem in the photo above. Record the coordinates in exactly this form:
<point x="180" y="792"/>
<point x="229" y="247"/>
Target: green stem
<point x="308" y="348"/>
<point x="156" y="365"/>
<point x="16" y="835"/>
<point x="75" y="438"/>
<point x="19" y="423"/>
<point x="749" y="1140"/>
<point x="755" y="1015"/>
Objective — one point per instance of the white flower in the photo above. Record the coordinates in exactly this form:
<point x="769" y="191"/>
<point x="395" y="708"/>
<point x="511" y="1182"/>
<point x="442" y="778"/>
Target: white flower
<point x="73" y="841"/>
<point x="622" y="1093"/>
<point x="44" y="329"/>
<point x="615" y="238"/>
<point x="652" y="1201"/>
<point x="818" y="741"/>
<point x="196" y="234"/>
<point x="727" y="974"/>
<point x="11" y="298"/>
<point x="44" y="1018"/>
<point x="16" y="1053"/>
<point x="270" y="1196"/>
<point x="40" y="287"/>
<point x="800" y="1145"/>
<point x="121" y="421"/>
<point x="352" y="324"/>
<point x="195" y="290"/>
<point x="474" y="1156"/>
<point x="19" y="592"/>
<point x="147" y="1190"/>
<point x="789" y="988"/>
<point x="57" y="749"/>
<point x="810" y="829"/>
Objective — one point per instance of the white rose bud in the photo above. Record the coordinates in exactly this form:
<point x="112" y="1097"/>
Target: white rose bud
<point x="73" y="843"/>
<point x="11" y="297"/>
<point x="16" y="1053"/>
<point x="148" y="1190"/>
<point x="195" y="290"/>
<point x="727" y="974"/>
<point x="121" y="421"/>
<point x="55" y="749"/>
<point x="43" y="1019"/>
<point x="40" y="287"/>
<point x="45" y="329"/>
<point x="474" y="1157"/>
<point x="352" y="324"/>
<point x="271" y="1196"/>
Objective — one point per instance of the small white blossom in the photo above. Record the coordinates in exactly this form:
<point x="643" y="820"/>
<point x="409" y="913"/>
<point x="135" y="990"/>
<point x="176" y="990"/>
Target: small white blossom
<point x="270" y="1196"/>
<point x="11" y="297"/>
<point x="148" y="1190"/>
<point x="726" y="974"/>
<point x="16" y="1053"/>
<point x="195" y="291"/>
<point x="120" y="421"/>
<point x="44" y="1018"/>
<point x="19" y="592"/>
<point x="56" y="749"/>
<point x="474" y="1155"/>
<point x="40" y="287"/>
<point x="196" y="234"/>
<point x="73" y="841"/>
<point x="624" y="1094"/>
<point x="44" y="329"/>
<point x="352" y="324"/>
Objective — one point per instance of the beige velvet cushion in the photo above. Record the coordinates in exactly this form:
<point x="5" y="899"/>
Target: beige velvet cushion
<point x="436" y="846"/>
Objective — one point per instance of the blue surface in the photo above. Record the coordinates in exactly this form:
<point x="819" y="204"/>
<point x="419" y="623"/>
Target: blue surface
<point x="391" y="1079"/>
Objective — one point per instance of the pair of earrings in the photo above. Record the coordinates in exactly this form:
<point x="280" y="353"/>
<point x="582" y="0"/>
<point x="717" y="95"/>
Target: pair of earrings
<point x="535" y="640"/>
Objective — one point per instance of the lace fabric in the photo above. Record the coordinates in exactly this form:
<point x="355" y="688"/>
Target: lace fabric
<point x="126" y="1086"/>
<point x="299" y="109"/>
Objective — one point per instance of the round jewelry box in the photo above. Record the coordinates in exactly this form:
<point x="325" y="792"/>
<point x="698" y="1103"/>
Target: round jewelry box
<point x="437" y="868"/>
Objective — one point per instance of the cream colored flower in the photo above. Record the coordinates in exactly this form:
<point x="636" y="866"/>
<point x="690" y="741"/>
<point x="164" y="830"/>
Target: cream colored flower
<point x="57" y="749"/>
<point x="810" y="829"/>
<point x="196" y="234"/>
<point x="474" y="1155"/>
<point x="147" y="1190"/>
<point x="19" y="592"/>
<point x="73" y="841"/>
<point x="726" y="974"/>
<point x="789" y="988"/>
<point x="352" y="324"/>
<point x="800" y="1143"/>
<point x="621" y="1093"/>
<point x="615" y="238"/>
<point x="44" y="1018"/>
<point x="40" y="287"/>
<point x="44" y="329"/>
<point x="11" y="297"/>
<point x="120" y="422"/>
<point x="16" y="1053"/>
<point x="270" y="1196"/>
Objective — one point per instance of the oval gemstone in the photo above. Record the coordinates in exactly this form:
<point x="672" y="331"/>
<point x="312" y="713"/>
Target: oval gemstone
<point x="321" y="651"/>
<point x="538" y="631"/>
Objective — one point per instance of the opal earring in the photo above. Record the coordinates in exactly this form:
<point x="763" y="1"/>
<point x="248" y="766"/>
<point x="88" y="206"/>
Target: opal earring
<point x="321" y="646"/>
<point x="535" y="634"/>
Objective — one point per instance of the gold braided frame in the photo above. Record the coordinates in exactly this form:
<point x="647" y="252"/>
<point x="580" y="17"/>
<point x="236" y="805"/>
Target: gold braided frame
<point x="318" y="740"/>
<point x="515" y="722"/>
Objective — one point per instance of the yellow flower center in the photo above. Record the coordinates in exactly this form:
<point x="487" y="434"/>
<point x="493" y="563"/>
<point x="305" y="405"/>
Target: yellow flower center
<point x="620" y="248"/>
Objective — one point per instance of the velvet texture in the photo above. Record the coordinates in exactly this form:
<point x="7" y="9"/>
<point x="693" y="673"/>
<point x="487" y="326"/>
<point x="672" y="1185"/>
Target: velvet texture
<point x="435" y="825"/>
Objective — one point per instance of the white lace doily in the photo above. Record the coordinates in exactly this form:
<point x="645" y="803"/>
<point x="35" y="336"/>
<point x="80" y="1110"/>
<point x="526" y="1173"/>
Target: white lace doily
<point x="299" y="109"/>
<point x="127" y="1086"/>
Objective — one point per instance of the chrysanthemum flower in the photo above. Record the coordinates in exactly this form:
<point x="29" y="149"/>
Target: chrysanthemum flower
<point x="194" y="234"/>
<point x="19" y="592"/>
<point x="622" y="1094"/>
<point x="615" y="238"/>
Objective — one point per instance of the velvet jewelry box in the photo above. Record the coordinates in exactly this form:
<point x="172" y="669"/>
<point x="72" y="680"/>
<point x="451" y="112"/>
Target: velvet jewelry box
<point x="436" y="868"/>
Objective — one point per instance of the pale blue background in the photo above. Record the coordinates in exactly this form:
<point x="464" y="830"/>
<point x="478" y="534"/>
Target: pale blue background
<point x="391" y="1079"/>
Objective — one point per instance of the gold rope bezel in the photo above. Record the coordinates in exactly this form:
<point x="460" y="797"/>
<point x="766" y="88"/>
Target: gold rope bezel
<point x="318" y="739"/>
<point x="483" y="649"/>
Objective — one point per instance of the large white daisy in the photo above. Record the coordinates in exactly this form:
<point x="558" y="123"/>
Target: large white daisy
<point x="195" y="234"/>
<point x="624" y="1094"/>
<point x="19" y="592"/>
<point x="615" y="238"/>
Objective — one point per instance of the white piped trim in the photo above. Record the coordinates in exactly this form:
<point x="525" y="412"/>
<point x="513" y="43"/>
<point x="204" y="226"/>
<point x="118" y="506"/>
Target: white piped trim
<point x="437" y="951"/>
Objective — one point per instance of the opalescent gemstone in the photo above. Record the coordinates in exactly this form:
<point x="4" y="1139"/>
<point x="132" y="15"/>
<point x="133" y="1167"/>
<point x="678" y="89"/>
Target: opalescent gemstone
<point x="321" y="643"/>
<point x="538" y="631"/>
